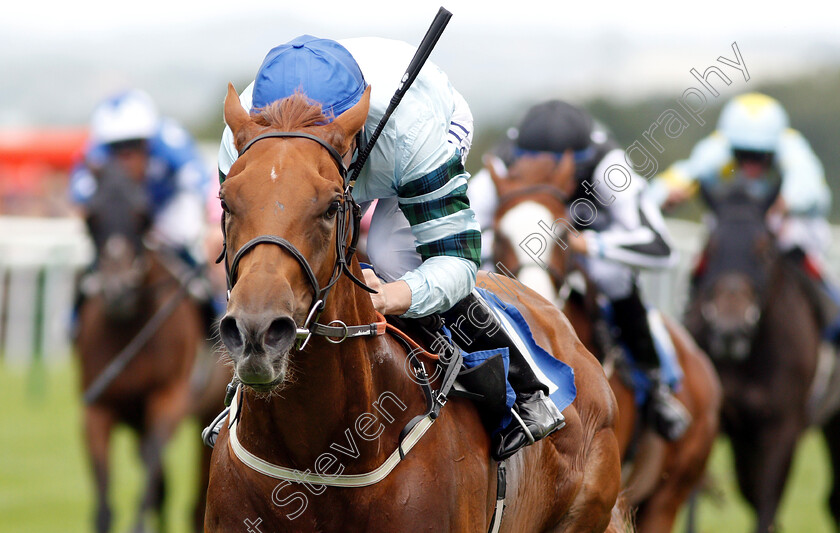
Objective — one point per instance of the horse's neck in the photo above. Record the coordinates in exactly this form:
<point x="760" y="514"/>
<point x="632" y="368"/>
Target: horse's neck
<point x="335" y="392"/>
<point x="785" y="293"/>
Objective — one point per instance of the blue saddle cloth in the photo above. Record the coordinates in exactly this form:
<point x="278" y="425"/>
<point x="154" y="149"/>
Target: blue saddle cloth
<point x="559" y="376"/>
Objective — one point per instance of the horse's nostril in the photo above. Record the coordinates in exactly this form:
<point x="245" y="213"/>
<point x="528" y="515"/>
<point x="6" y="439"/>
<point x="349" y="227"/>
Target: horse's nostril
<point x="280" y="334"/>
<point x="231" y="336"/>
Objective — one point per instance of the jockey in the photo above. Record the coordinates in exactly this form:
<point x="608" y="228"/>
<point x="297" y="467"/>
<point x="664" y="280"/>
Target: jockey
<point x="127" y="129"/>
<point x="423" y="239"/>
<point x="627" y="234"/>
<point x="753" y="141"/>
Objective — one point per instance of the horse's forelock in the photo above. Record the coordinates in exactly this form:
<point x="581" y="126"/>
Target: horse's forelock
<point x="293" y="113"/>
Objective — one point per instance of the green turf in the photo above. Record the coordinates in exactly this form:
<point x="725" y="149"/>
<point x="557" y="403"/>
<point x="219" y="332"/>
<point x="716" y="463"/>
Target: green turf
<point x="45" y="485"/>
<point x="804" y="503"/>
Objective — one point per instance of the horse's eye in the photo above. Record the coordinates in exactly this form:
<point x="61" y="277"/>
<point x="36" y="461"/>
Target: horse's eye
<point x="332" y="209"/>
<point x="224" y="206"/>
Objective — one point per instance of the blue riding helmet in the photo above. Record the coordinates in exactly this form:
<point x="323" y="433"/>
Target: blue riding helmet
<point x="320" y="68"/>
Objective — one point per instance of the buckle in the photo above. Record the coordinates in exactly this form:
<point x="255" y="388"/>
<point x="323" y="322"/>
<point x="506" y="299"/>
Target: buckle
<point x="441" y="399"/>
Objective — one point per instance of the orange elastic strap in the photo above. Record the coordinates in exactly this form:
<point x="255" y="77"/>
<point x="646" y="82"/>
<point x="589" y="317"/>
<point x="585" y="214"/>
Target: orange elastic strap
<point x="399" y="333"/>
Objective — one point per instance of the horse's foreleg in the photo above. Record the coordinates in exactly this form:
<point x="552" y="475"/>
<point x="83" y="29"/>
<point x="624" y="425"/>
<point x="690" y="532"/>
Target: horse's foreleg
<point x="593" y="506"/>
<point x="831" y="430"/>
<point x="98" y="424"/>
<point x="685" y="459"/>
<point x="164" y="412"/>
<point x="763" y="456"/>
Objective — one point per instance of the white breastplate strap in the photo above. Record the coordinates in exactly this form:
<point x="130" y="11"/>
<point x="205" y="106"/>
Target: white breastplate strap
<point x="348" y="480"/>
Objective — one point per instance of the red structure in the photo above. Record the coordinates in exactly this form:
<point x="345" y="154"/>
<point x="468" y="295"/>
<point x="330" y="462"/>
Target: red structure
<point x="34" y="165"/>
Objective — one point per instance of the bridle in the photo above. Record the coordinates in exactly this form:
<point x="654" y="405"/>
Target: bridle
<point x="348" y="222"/>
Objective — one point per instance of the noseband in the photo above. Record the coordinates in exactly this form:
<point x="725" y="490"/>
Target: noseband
<point x="344" y="251"/>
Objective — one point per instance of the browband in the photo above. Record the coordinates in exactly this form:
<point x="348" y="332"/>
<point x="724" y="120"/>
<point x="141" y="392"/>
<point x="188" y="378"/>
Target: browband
<point x="339" y="161"/>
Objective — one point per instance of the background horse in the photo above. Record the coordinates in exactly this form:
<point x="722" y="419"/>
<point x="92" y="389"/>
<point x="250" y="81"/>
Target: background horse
<point x="750" y="311"/>
<point x="338" y="409"/>
<point x="208" y="384"/>
<point x="532" y="214"/>
<point x="130" y="285"/>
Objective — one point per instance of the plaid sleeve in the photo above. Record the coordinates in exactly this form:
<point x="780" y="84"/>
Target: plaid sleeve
<point x="438" y="209"/>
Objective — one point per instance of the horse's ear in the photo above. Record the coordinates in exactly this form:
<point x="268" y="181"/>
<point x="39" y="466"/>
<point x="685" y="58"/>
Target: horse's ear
<point x="497" y="170"/>
<point x="352" y="120"/>
<point x="235" y="115"/>
<point x="563" y="176"/>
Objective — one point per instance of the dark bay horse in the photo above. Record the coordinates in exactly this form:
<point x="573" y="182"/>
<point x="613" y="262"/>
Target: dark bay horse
<point x="131" y="285"/>
<point x="314" y="445"/>
<point x="750" y="311"/>
<point x="661" y="475"/>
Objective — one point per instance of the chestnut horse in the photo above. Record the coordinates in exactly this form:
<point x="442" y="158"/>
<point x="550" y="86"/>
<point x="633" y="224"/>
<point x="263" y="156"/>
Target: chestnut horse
<point x="314" y="440"/>
<point x="661" y="475"/>
<point x="132" y="288"/>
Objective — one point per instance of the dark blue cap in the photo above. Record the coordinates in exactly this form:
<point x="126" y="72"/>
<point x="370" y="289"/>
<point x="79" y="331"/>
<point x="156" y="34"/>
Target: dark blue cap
<point x="320" y="68"/>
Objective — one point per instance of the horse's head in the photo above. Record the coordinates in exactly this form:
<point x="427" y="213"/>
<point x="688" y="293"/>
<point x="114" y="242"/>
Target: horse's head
<point x="734" y="270"/>
<point x="531" y="226"/>
<point x="117" y="218"/>
<point x="286" y="218"/>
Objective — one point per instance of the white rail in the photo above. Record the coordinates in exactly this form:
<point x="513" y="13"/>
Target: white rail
<point x="40" y="260"/>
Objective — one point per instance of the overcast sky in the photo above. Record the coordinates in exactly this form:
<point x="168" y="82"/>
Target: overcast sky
<point x="71" y="53"/>
<point x="652" y="17"/>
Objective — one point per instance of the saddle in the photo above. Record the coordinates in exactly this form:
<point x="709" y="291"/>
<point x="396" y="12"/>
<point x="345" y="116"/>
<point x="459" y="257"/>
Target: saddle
<point x="610" y="350"/>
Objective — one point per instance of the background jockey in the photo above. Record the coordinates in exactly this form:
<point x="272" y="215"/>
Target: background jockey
<point x="628" y="234"/>
<point x="754" y="142"/>
<point x="127" y="130"/>
<point x="423" y="239"/>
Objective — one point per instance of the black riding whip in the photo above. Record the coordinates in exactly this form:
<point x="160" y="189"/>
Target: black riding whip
<point x="420" y="56"/>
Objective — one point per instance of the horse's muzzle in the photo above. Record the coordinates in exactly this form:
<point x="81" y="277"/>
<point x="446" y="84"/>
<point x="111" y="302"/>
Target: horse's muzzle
<point x="259" y="346"/>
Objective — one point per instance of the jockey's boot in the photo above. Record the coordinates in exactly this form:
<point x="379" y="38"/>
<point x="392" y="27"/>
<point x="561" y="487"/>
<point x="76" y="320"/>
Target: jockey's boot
<point x="474" y="327"/>
<point x="664" y="412"/>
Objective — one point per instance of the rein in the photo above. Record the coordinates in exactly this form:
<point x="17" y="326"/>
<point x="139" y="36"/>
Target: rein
<point x="127" y="354"/>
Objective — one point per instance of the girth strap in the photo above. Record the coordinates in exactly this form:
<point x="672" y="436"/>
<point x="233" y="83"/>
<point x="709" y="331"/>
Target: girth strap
<point x="501" y="490"/>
